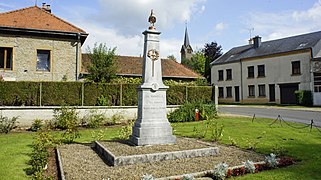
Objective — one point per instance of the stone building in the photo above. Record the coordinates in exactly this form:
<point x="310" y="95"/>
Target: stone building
<point x="36" y="45"/>
<point x="186" y="50"/>
<point x="271" y="71"/>
<point x="130" y="66"/>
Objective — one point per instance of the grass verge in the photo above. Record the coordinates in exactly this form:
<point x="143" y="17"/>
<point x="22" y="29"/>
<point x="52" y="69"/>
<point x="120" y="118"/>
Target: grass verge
<point x="301" y="144"/>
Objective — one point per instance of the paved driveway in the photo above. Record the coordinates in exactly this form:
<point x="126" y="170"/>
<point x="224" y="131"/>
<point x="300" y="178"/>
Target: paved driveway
<point x="288" y="114"/>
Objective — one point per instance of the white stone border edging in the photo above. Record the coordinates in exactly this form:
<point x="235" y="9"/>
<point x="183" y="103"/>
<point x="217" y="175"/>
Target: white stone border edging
<point x="201" y="174"/>
<point x="146" y="158"/>
<point x="60" y="166"/>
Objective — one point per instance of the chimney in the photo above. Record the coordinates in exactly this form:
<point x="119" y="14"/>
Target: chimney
<point x="257" y="41"/>
<point x="46" y="7"/>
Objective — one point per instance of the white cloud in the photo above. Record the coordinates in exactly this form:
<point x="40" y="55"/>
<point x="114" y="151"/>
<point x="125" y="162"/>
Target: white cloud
<point x="130" y="17"/>
<point x="284" y="24"/>
<point x="220" y="26"/>
<point x="120" y="23"/>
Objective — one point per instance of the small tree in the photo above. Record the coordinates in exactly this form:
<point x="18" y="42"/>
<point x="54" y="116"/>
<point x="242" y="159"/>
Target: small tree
<point x="197" y="62"/>
<point x="211" y="51"/>
<point x="103" y="67"/>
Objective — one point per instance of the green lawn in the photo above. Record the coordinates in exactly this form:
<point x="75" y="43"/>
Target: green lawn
<point x="303" y="145"/>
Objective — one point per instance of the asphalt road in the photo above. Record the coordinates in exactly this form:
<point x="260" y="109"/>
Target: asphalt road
<point x="294" y="115"/>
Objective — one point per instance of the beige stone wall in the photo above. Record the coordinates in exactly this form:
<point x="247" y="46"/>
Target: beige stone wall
<point x="63" y="58"/>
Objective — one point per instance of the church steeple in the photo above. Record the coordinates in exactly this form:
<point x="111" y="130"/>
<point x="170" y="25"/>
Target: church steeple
<point x="186" y="50"/>
<point x="186" y="39"/>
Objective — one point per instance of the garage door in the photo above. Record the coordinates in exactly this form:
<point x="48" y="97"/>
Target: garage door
<point x="287" y="93"/>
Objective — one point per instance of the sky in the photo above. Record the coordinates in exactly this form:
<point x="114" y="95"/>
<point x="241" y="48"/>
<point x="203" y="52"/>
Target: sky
<point x="230" y="23"/>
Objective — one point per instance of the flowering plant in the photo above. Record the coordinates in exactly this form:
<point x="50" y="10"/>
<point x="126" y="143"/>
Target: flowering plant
<point x="220" y="170"/>
<point x="271" y="160"/>
<point x="249" y="166"/>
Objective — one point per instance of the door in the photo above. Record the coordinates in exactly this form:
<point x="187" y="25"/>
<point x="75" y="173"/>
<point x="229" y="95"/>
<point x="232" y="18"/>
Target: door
<point x="237" y="93"/>
<point x="287" y="93"/>
<point x="272" y="92"/>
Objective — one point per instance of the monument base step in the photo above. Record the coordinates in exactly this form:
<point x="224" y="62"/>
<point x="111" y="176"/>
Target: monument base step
<point x="115" y="158"/>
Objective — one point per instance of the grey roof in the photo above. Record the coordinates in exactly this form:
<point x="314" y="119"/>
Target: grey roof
<point x="288" y="44"/>
<point x="186" y="39"/>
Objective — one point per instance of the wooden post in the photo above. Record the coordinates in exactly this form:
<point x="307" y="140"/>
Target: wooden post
<point x="82" y="93"/>
<point x="40" y="94"/>
<point x="121" y="95"/>
<point x="186" y="95"/>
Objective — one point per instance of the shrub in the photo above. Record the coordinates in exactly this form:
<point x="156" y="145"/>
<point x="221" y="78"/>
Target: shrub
<point x="7" y="124"/>
<point x="304" y="98"/>
<point x="37" y="124"/>
<point x="39" y="156"/>
<point x="67" y="119"/>
<point x="102" y="101"/>
<point x="130" y="95"/>
<point x="186" y="112"/>
<point x="94" y="119"/>
<point x="64" y="117"/>
<point x="199" y="94"/>
<point x="126" y="131"/>
<point x="116" y="118"/>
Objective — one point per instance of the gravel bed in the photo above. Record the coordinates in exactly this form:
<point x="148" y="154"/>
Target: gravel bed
<point x="81" y="162"/>
<point x="123" y="148"/>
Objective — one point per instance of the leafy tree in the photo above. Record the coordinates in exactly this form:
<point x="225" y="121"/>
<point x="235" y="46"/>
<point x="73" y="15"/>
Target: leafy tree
<point x="211" y="51"/>
<point x="197" y="62"/>
<point x="103" y="67"/>
<point x="171" y="57"/>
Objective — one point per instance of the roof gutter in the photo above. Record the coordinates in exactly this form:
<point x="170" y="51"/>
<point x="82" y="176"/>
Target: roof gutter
<point x="43" y="32"/>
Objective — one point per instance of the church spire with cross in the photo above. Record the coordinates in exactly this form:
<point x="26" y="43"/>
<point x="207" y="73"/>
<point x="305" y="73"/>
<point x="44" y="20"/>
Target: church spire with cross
<point x="186" y="50"/>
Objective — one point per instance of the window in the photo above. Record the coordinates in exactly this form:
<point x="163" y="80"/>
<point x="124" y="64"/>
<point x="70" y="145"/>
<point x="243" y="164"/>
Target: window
<point x="220" y="75"/>
<point x="220" y="92"/>
<point x="43" y="60"/>
<point x="228" y="92"/>
<point x="251" y="91"/>
<point x="262" y="90"/>
<point x="296" y="68"/>
<point x="228" y="74"/>
<point x="260" y="71"/>
<point x="5" y="58"/>
<point x="317" y="82"/>
<point x="250" y="72"/>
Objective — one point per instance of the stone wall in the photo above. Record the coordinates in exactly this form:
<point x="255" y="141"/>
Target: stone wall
<point x="63" y="58"/>
<point x="28" y="114"/>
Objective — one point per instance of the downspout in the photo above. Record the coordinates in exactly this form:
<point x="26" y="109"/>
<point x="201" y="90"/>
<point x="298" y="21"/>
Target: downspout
<point x="241" y="81"/>
<point x="77" y="55"/>
<point x="311" y="75"/>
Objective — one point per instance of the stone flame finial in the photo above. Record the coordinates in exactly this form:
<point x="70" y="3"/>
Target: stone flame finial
<point x="152" y="20"/>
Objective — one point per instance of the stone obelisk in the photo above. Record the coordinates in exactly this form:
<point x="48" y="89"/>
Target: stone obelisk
<point x="152" y="125"/>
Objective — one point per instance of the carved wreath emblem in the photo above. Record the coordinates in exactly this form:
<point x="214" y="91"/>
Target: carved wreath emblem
<point x="153" y="54"/>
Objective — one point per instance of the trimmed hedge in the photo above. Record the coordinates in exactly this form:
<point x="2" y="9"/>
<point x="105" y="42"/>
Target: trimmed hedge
<point x="19" y="93"/>
<point x="61" y="93"/>
<point x="94" y="90"/>
<point x="199" y="94"/>
<point x="70" y="93"/>
<point x="304" y="98"/>
<point x="130" y="95"/>
<point x="176" y="95"/>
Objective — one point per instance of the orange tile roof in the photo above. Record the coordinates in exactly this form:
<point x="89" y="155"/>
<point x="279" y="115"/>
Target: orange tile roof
<point x="132" y="66"/>
<point x="36" y="18"/>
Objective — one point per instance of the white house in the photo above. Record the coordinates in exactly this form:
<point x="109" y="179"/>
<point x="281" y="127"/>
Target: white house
<point x="271" y="71"/>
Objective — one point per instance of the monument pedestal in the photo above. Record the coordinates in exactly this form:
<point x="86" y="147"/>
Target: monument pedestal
<point x="152" y="126"/>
